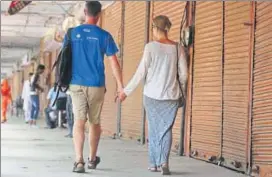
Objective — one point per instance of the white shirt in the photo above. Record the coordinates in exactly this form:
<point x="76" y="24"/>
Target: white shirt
<point x="159" y="69"/>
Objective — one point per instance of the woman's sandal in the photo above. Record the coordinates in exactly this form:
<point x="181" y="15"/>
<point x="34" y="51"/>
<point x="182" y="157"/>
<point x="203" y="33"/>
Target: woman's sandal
<point x="79" y="169"/>
<point x="165" y="170"/>
<point x="153" y="169"/>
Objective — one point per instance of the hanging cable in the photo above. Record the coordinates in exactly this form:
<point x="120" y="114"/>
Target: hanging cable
<point x="182" y="23"/>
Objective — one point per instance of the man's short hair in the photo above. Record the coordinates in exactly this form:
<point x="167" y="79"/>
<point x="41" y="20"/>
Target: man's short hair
<point x="41" y="67"/>
<point x="30" y="74"/>
<point x="93" y="8"/>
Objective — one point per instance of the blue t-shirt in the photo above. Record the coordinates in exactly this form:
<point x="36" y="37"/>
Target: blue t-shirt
<point x="89" y="45"/>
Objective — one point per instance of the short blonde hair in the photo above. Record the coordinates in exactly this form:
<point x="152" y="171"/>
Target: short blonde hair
<point x="162" y="23"/>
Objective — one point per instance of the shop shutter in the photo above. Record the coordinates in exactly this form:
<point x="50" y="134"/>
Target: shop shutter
<point x="173" y="10"/>
<point x="133" y="50"/>
<point x="206" y="121"/>
<point x="236" y="85"/>
<point x="111" y="22"/>
<point x="262" y="91"/>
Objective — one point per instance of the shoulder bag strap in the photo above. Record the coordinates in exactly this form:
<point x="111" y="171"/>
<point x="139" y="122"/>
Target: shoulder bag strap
<point x="69" y="33"/>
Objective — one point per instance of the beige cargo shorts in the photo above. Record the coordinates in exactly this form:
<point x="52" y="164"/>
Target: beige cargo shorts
<point x="87" y="101"/>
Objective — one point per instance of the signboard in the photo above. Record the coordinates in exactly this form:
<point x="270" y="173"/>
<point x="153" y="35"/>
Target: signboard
<point x="16" y="6"/>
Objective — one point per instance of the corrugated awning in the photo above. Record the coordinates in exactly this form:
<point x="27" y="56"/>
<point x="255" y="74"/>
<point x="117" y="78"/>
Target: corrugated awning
<point x="16" y="6"/>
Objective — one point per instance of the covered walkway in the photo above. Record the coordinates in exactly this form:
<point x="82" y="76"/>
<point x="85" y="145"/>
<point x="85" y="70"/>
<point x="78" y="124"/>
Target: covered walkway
<point x="28" y="152"/>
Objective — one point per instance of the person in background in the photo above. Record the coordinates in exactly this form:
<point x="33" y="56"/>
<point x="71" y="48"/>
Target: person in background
<point x="70" y="115"/>
<point x="19" y="104"/>
<point x="51" y="96"/>
<point x="89" y="45"/>
<point x="163" y="60"/>
<point x="26" y="98"/>
<point x="5" y="100"/>
<point x="35" y="88"/>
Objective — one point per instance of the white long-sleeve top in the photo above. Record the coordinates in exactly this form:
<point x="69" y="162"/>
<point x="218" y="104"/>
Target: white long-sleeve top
<point x="159" y="69"/>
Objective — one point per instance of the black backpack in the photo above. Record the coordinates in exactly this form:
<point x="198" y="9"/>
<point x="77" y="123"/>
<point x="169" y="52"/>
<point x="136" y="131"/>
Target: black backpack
<point x="63" y="67"/>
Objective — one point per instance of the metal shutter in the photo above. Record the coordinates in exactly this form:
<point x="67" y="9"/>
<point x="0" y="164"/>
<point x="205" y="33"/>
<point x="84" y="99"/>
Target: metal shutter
<point x="236" y="81"/>
<point x="133" y="50"/>
<point x="111" y="22"/>
<point x="262" y="91"/>
<point x="206" y="108"/>
<point x="174" y="10"/>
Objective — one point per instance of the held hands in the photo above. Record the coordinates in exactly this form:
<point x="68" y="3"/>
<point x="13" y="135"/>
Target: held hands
<point x="121" y="95"/>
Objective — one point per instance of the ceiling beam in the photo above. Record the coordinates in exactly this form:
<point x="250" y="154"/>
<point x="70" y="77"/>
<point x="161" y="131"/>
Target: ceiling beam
<point x="9" y="60"/>
<point x="13" y="44"/>
<point x="36" y="13"/>
<point x="9" y="47"/>
<point x="23" y="25"/>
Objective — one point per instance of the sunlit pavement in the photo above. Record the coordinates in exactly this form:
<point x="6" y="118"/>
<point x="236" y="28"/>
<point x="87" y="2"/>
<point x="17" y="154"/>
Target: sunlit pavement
<point x="31" y="152"/>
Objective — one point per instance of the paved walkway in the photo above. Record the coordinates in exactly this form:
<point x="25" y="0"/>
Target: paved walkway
<point x="29" y="152"/>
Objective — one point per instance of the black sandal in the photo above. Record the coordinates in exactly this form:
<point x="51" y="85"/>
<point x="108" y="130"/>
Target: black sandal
<point x="93" y="164"/>
<point x="80" y="169"/>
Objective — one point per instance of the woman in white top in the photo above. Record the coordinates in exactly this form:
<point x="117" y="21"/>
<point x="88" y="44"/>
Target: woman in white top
<point x="161" y="91"/>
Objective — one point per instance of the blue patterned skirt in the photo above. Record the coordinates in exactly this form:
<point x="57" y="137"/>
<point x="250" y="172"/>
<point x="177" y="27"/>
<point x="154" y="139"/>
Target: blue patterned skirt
<point x="161" y="116"/>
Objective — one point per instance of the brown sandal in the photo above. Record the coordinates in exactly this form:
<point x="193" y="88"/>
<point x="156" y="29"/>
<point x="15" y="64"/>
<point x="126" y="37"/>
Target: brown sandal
<point x="165" y="170"/>
<point x="93" y="164"/>
<point x="79" y="169"/>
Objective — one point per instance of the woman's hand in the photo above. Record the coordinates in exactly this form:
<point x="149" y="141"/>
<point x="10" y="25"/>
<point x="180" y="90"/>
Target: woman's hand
<point x="122" y="96"/>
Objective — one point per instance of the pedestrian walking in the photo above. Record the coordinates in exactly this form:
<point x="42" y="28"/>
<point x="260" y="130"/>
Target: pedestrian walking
<point x="162" y="61"/>
<point x="5" y="100"/>
<point x="87" y="87"/>
<point x="35" y="88"/>
<point x="26" y="98"/>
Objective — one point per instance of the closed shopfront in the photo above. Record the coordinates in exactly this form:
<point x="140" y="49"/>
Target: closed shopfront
<point x="236" y="84"/>
<point x="111" y="22"/>
<point x="174" y="10"/>
<point x="262" y="91"/>
<point x="133" y="50"/>
<point x="206" y="118"/>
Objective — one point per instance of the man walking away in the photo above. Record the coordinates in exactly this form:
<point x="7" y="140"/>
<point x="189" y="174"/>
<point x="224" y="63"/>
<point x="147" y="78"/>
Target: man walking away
<point x="89" y="45"/>
<point x="35" y="88"/>
<point x="26" y="98"/>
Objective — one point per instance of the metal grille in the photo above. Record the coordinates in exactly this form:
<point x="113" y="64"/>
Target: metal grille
<point x="111" y="22"/>
<point x="262" y="91"/>
<point x="207" y="83"/>
<point x="133" y="50"/>
<point x="236" y="81"/>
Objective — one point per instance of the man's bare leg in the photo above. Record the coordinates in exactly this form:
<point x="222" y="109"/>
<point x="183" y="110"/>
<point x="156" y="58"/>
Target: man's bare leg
<point x="94" y="137"/>
<point x="79" y="137"/>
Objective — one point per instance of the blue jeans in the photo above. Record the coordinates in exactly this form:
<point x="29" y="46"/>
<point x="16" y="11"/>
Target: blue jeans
<point x="49" y="122"/>
<point x="35" y="107"/>
<point x="70" y="115"/>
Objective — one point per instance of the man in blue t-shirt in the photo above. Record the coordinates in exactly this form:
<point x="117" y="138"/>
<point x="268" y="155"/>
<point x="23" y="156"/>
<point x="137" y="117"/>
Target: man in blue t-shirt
<point x="89" y="45"/>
